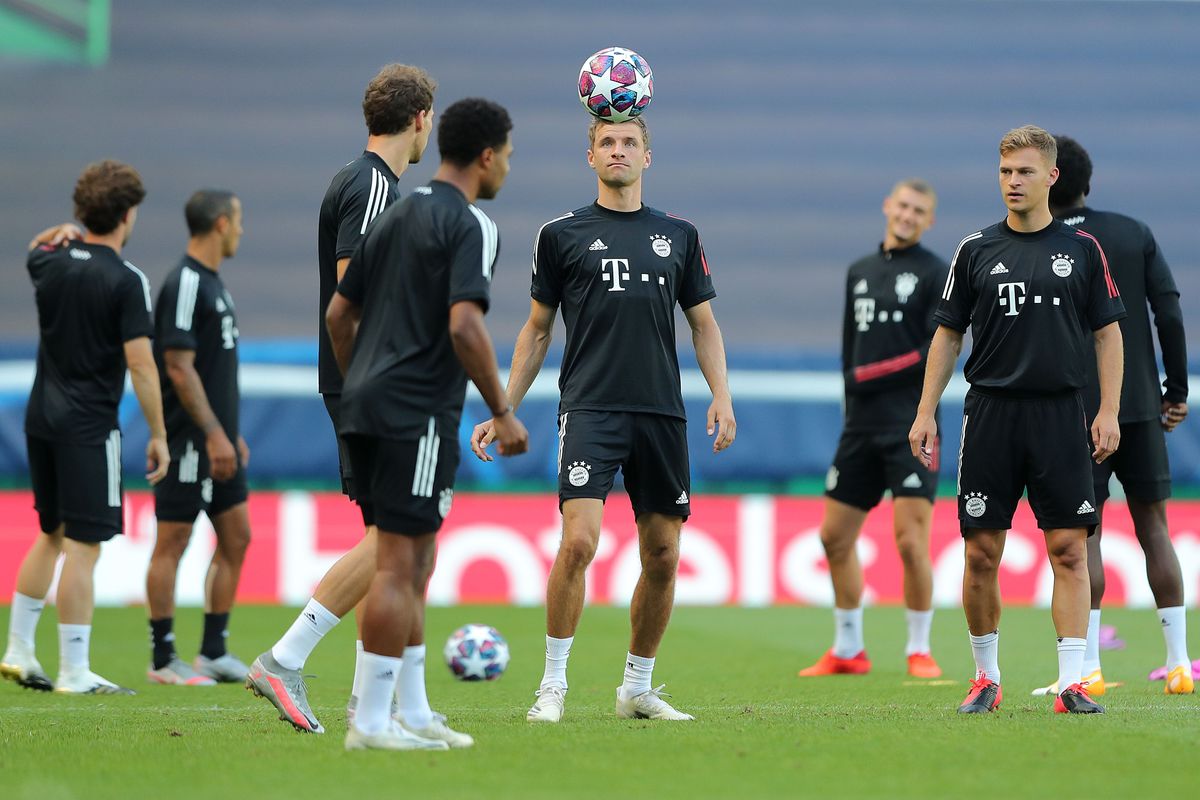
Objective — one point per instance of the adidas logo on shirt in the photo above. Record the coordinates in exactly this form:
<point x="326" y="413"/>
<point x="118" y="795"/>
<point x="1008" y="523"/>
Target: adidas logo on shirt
<point x="597" y="245"/>
<point x="683" y="498"/>
<point x="999" y="269"/>
<point x="1086" y="508"/>
<point x="913" y="481"/>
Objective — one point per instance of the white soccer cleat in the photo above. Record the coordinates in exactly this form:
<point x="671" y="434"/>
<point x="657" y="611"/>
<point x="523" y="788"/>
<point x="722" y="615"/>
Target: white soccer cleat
<point x="394" y="737"/>
<point x="176" y="672"/>
<point x="224" y="669"/>
<point x="549" y="704"/>
<point x="19" y="664"/>
<point x="438" y="730"/>
<point x="1046" y="691"/>
<point x="649" y="705"/>
<point x="1094" y="682"/>
<point x="86" y="682"/>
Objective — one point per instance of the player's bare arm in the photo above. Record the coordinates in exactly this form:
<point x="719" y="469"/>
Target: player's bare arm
<point x="943" y="353"/>
<point x="473" y="346"/>
<point x="341" y="320"/>
<point x="56" y="235"/>
<point x="342" y="263"/>
<point x="143" y="373"/>
<point x="710" y="355"/>
<point x="529" y="354"/>
<point x="1110" y="358"/>
<point x="181" y="369"/>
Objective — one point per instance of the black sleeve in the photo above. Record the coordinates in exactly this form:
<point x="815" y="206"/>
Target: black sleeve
<point x="133" y="307"/>
<point x="175" y="328"/>
<point x="1168" y="320"/>
<point x="355" y="210"/>
<point x="473" y="253"/>
<point x="848" y="331"/>
<point x="546" y="284"/>
<point x="353" y="283"/>
<point x="697" y="285"/>
<point x="1104" y="301"/>
<point x="954" y="304"/>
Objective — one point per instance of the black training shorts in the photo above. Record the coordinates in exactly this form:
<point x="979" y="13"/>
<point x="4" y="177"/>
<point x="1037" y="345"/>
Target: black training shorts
<point x="408" y="485"/>
<point x="1140" y="464"/>
<point x="867" y="464"/>
<point x="79" y="484"/>
<point x="189" y="488"/>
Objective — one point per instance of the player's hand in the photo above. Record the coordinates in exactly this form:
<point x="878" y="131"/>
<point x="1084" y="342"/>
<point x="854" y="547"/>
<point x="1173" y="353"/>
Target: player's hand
<point x="158" y="458"/>
<point x="57" y="235"/>
<point x="222" y="459"/>
<point x="1172" y="415"/>
<point x="243" y="452"/>
<point x="921" y="437"/>
<point x="511" y="434"/>
<point x="1106" y="435"/>
<point x="721" y="421"/>
<point x="481" y="437"/>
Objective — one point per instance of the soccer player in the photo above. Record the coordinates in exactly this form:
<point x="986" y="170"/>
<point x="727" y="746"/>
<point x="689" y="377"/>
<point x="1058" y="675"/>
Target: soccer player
<point x="891" y="295"/>
<point x="196" y="349"/>
<point x="94" y="321"/>
<point x="618" y="269"/>
<point x="398" y="110"/>
<point x="1031" y="289"/>
<point x="407" y="329"/>
<point x="1147" y="411"/>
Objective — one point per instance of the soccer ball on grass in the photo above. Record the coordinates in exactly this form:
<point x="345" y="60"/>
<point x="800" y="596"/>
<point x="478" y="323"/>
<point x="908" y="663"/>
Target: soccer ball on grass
<point x="476" y="653"/>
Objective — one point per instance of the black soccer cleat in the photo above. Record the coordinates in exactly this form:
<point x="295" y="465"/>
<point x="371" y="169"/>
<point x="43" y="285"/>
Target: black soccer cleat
<point x="984" y="697"/>
<point x="1075" y="700"/>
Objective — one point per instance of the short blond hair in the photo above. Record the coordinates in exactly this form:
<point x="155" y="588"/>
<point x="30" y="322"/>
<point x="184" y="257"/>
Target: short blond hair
<point x="1030" y="136"/>
<point x="599" y="122"/>
<point x="918" y="185"/>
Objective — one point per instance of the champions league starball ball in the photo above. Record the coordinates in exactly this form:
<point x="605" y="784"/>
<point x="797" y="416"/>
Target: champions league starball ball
<point x="476" y="653"/>
<point x="616" y="84"/>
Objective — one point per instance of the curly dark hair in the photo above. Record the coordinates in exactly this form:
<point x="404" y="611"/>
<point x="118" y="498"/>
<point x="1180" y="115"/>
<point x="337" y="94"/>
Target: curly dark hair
<point x="1074" y="173"/>
<point x="105" y="191"/>
<point x="395" y="96"/>
<point x="470" y="126"/>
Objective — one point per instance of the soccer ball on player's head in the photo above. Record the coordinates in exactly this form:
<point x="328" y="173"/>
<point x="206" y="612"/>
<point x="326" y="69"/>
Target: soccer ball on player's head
<point x="476" y="653"/>
<point x="616" y="84"/>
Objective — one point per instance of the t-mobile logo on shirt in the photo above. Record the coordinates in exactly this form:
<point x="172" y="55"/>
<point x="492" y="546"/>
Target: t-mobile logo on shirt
<point x="1012" y="297"/>
<point x="615" y="270"/>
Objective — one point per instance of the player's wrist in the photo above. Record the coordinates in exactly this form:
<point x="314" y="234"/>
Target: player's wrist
<point x="502" y="413"/>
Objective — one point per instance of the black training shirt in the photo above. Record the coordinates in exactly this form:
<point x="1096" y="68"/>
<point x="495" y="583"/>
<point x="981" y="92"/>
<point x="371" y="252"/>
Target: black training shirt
<point x="890" y="299"/>
<point x="618" y="277"/>
<point x="429" y="251"/>
<point x="90" y="302"/>
<point x="355" y="197"/>
<point x="195" y="312"/>
<point x="1032" y="301"/>
<point x="1143" y="276"/>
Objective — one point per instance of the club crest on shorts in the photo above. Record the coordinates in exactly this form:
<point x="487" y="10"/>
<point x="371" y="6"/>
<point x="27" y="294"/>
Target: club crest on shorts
<point x="1062" y="264"/>
<point x="831" y="479"/>
<point x="976" y="504"/>
<point x="906" y="284"/>
<point x="661" y="245"/>
<point x="580" y="473"/>
<point x="206" y="490"/>
<point x="445" y="500"/>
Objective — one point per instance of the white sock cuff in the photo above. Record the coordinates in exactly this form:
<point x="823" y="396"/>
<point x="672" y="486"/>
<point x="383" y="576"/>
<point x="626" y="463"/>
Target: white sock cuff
<point x="414" y="651"/>
<point x="1071" y="643"/>
<point x="26" y="599"/>
<point x="987" y="638"/>
<point x="640" y="661"/>
<point x="1172" y="612"/>
<point x="558" y="648"/>
<point x="324" y="616"/>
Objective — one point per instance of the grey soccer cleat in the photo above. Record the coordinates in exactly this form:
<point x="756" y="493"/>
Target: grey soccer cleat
<point x="176" y="672"/>
<point x="225" y="669"/>
<point x="285" y="689"/>
<point x="649" y="705"/>
<point x="86" y="682"/>
<point x="394" y="737"/>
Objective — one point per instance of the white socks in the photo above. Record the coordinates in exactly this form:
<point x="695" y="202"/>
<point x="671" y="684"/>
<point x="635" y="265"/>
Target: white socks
<point x="356" y="687"/>
<point x="986" y="650"/>
<point x="637" y="675"/>
<point x="414" y="702"/>
<point x="1091" y="656"/>
<point x="847" y="632"/>
<point x="1070" y="661"/>
<point x="374" y="712"/>
<point x="301" y="639"/>
<point x="22" y="623"/>
<point x="557" y="653"/>
<point x="73" y="648"/>
<point x="1174" y="626"/>
<point x="919" y="623"/>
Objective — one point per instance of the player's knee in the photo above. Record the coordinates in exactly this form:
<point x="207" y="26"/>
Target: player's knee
<point x="660" y="563"/>
<point x="576" y="552"/>
<point x="838" y="545"/>
<point x="912" y="548"/>
<point x="980" y="559"/>
<point x="1068" y="554"/>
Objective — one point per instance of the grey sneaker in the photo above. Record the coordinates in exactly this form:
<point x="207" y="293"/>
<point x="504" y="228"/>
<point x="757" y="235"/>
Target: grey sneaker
<point x="285" y="689"/>
<point x="549" y="704"/>
<point x="176" y="672"/>
<point x="438" y="730"/>
<point x="20" y="665"/>
<point x="648" y="705"/>
<point x="352" y="708"/>
<point x="87" y="682"/>
<point x="226" y="669"/>
<point x="394" y="737"/>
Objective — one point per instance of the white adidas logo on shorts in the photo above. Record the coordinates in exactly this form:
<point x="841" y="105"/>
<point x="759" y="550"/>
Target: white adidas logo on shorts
<point x="683" y="498"/>
<point x="1086" y="508"/>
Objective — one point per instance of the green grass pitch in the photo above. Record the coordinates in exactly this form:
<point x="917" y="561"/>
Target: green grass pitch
<point x="760" y="730"/>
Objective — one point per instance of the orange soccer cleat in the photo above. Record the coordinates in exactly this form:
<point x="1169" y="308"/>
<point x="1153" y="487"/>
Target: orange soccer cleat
<point x="922" y="665"/>
<point x="829" y="664"/>
<point x="1180" y="681"/>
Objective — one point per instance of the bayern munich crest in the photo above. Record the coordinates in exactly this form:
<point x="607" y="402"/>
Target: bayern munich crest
<point x="580" y="473"/>
<point x="976" y="504"/>
<point x="1062" y="265"/>
<point x="906" y="284"/>
<point x="445" y="500"/>
<point x="661" y="245"/>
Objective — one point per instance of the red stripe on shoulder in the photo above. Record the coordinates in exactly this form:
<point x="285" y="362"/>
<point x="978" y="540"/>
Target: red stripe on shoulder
<point x="703" y="260"/>
<point x="1108" y="279"/>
